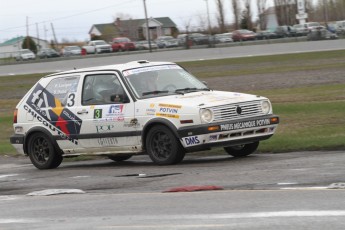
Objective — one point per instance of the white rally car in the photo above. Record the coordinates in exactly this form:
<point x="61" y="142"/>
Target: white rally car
<point x="155" y="108"/>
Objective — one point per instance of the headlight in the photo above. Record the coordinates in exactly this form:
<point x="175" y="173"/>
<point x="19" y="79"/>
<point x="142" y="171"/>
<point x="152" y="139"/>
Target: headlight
<point x="206" y="115"/>
<point x="266" y="107"/>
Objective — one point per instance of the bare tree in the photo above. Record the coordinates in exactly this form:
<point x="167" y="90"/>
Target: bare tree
<point x="329" y="10"/>
<point x="236" y="9"/>
<point x="248" y="14"/>
<point x="262" y="7"/>
<point x="286" y="11"/>
<point x="221" y="16"/>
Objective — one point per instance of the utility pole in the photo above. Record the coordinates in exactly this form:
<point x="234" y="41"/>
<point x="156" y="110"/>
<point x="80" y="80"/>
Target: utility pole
<point x="209" y="24"/>
<point x="208" y="18"/>
<point x="325" y="12"/>
<point x="38" y="37"/>
<point x="55" y="40"/>
<point x="147" y="27"/>
<point x="27" y="33"/>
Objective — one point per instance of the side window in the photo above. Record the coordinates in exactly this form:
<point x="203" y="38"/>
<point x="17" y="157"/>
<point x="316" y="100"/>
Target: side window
<point x="64" y="89"/>
<point x="103" y="89"/>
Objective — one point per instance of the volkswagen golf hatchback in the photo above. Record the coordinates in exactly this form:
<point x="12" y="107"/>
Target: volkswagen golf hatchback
<point x="140" y="107"/>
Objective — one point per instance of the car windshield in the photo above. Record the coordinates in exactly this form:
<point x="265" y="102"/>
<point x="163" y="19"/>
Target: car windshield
<point x="26" y="52"/>
<point x="73" y="48"/>
<point x="100" y="43"/>
<point x="162" y="80"/>
<point x="122" y="40"/>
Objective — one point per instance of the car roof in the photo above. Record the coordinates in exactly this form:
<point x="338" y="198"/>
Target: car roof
<point x="119" y="67"/>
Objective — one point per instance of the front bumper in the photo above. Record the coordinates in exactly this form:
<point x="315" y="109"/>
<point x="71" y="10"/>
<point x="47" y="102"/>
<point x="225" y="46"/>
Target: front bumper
<point x="229" y="133"/>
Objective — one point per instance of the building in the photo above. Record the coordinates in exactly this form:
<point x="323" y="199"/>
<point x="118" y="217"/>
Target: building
<point x="10" y="47"/>
<point x="135" y="29"/>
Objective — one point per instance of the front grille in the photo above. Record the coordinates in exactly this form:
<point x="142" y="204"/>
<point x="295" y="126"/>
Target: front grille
<point x="237" y="111"/>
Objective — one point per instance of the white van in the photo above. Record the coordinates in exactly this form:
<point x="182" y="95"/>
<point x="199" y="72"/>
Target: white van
<point x="340" y="27"/>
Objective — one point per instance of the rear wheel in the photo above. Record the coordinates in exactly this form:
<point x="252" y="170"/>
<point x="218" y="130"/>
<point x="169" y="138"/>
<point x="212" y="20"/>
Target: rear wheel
<point x="163" y="147"/>
<point x="42" y="152"/>
<point x="242" y="150"/>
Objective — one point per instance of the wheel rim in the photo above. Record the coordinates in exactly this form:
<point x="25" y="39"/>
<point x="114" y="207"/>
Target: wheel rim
<point x="41" y="150"/>
<point x="161" y="145"/>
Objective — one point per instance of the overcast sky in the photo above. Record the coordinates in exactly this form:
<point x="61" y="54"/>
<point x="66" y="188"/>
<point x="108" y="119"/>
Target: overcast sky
<point x="72" y="19"/>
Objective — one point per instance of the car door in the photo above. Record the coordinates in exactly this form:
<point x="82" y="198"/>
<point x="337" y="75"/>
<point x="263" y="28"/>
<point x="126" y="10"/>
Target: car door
<point x="107" y="113"/>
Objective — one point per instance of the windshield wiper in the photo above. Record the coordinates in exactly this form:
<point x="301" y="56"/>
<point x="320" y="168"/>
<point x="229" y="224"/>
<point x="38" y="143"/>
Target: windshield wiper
<point x="155" y="92"/>
<point x="191" y="90"/>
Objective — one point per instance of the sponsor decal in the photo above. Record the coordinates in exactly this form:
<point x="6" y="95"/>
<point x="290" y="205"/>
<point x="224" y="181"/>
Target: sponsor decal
<point x="213" y="137"/>
<point x="108" y="141"/>
<point x="189" y="141"/>
<point x="168" y="115"/>
<point x="150" y="111"/>
<point x="133" y="123"/>
<point x="115" y="110"/>
<point x="168" y="110"/>
<point x="245" y="124"/>
<point x="48" y="109"/>
<point x="104" y="128"/>
<point x="150" y="68"/>
<point x="110" y="119"/>
<point x="170" y="106"/>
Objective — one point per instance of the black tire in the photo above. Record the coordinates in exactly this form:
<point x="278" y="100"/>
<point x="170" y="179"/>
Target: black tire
<point x="242" y="150"/>
<point x="163" y="147"/>
<point x="42" y="152"/>
<point x="120" y="157"/>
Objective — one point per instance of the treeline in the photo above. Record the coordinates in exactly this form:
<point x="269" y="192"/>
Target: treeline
<point x="285" y="10"/>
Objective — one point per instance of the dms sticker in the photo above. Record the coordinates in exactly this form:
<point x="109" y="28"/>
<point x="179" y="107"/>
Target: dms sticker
<point x="48" y="107"/>
<point x="189" y="141"/>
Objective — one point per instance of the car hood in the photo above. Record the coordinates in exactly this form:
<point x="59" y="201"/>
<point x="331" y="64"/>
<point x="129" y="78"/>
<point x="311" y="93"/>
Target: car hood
<point x="206" y="99"/>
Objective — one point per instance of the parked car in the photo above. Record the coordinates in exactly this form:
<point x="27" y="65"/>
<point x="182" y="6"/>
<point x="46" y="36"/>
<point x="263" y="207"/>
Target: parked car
<point x="181" y="39"/>
<point x="24" y="55"/>
<point x="223" y="38"/>
<point x="122" y="44"/>
<point x="243" y="35"/>
<point x="266" y="34"/>
<point x="166" y="42"/>
<point x="71" y="51"/>
<point x="340" y="27"/>
<point x="199" y="38"/>
<point x="321" y="33"/>
<point x="47" y="53"/>
<point x="299" y="30"/>
<point x="284" y="31"/>
<point x="97" y="46"/>
<point x="144" y="45"/>
<point x="140" y="107"/>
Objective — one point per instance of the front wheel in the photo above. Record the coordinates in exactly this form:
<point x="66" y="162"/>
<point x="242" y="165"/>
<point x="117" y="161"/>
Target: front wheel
<point x="163" y="147"/>
<point x="242" y="150"/>
<point x="42" y="152"/>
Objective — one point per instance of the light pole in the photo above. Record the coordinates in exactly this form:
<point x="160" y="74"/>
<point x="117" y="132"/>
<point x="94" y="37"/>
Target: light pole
<point x="208" y="17"/>
<point x="209" y="23"/>
<point x="147" y="27"/>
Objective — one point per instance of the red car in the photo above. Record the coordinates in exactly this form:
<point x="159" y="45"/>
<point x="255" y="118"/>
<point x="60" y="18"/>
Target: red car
<point x="122" y="44"/>
<point x="243" y="35"/>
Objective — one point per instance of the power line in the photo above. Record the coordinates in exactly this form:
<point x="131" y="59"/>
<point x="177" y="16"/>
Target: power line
<point x="66" y="17"/>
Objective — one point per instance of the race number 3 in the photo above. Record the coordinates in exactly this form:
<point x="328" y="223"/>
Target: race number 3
<point x="70" y="100"/>
<point x="97" y="114"/>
